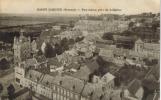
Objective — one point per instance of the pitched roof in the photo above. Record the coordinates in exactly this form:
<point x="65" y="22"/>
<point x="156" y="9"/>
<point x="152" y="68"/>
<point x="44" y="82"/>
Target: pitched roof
<point x="139" y="41"/>
<point x="83" y="73"/>
<point x="41" y="58"/>
<point x="92" y="65"/>
<point x="133" y="86"/>
<point x="34" y="75"/>
<point x="72" y="65"/>
<point x="68" y="82"/>
<point x="154" y="96"/>
<point x="30" y="62"/>
<point x="54" y="61"/>
<point x="108" y="77"/>
<point x="151" y="85"/>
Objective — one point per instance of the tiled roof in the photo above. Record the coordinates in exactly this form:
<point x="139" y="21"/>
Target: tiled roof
<point x="83" y="73"/>
<point x="54" y="61"/>
<point x="93" y="65"/>
<point x="67" y="82"/>
<point x="72" y="65"/>
<point x="34" y="75"/>
<point x="40" y="59"/>
<point x="30" y="62"/>
<point x="154" y="96"/>
<point x="151" y="85"/>
<point x="139" y="41"/>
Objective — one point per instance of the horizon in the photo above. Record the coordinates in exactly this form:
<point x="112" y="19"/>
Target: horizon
<point x="126" y="7"/>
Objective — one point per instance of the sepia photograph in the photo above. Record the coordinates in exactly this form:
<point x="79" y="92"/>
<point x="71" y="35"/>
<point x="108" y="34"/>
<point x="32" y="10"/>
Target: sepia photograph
<point x="80" y="50"/>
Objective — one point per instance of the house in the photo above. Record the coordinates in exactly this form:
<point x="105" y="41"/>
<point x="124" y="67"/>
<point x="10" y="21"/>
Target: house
<point x="153" y="96"/>
<point x="34" y="46"/>
<point x="56" y="27"/>
<point x="152" y="79"/>
<point x="106" y="53"/>
<point x="134" y="90"/>
<point x="148" y="49"/>
<point x="108" y="80"/>
<point x="53" y="63"/>
<point x="36" y="62"/>
<point x="86" y="71"/>
<point x="71" y="34"/>
<point x="85" y="49"/>
<point x="58" y="86"/>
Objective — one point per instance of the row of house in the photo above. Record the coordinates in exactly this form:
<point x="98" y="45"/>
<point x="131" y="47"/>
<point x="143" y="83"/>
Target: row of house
<point x="62" y="86"/>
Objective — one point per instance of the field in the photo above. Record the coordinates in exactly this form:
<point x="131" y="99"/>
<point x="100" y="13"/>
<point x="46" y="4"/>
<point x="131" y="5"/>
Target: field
<point x="16" y="20"/>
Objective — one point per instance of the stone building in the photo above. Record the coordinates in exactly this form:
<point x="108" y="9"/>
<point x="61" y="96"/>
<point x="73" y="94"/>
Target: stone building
<point x="22" y="47"/>
<point x="58" y="86"/>
<point x="148" y="49"/>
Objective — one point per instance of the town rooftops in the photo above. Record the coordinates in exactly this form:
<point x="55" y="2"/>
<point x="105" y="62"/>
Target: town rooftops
<point x="64" y="81"/>
<point x="67" y="82"/>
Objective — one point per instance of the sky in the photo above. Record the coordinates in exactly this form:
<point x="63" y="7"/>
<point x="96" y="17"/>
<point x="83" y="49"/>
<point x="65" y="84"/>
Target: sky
<point x="124" y="6"/>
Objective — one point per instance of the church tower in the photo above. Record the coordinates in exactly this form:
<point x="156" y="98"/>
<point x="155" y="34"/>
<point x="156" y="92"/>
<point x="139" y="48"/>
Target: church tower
<point x="22" y="47"/>
<point x="139" y="44"/>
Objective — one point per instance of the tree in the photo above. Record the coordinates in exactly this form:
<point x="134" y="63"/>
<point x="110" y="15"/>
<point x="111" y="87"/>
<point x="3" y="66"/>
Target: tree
<point x="11" y="91"/>
<point x="4" y="64"/>
<point x="71" y="41"/>
<point x="131" y="24"/>
<point x="79" y="39"/>
<point x="58" y="49"/>
<point x="49" y="51"/>
<point x="71" y="24"/>
<point x="107" y="36"/>
<point x="64" y="44"/>
<point x="1" y="89"/>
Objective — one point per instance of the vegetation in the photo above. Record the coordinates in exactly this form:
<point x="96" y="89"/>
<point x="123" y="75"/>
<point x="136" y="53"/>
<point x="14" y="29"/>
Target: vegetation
<point x="4" y="64"/>
<point x="150" y="62"/>
<point x="11" y="91"/>
<point x="107" y="36"/>
<point x="1" y="88"/>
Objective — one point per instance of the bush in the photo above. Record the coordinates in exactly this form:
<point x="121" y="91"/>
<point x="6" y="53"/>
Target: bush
<point x="4" y="64"/>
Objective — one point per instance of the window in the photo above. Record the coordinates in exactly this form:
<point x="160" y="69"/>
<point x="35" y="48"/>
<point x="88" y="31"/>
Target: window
<point x="62" y="91"/>
<point x="68" y="93"/>
<point x="18" y="80"/>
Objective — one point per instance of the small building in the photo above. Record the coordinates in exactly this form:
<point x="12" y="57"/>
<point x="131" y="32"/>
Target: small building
<point x="134" y="90"/>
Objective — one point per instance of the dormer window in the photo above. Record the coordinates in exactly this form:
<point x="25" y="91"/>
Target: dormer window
<point x="30" y="76"/>
<point x="91" y="94"/>
<point x="38" y="78"/>
<point x="73" y="87"/>
<point x="101" y="97"/>
<point x="60" y="82"/>
<point x="47" y="83"/>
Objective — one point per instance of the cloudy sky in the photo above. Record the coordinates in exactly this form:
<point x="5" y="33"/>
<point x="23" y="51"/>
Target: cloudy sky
<point x="126" y="6"/>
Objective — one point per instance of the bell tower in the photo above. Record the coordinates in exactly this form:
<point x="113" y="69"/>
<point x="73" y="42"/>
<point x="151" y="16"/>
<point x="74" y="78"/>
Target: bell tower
<point x="22" y="47"/>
